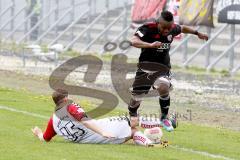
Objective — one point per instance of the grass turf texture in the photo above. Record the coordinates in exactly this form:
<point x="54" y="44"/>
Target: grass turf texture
<point x="17" y="141"/>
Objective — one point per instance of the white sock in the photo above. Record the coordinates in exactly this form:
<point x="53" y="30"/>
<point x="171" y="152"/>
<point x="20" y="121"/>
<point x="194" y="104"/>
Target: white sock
<point x="140" y="139"/>
<point x="149" y="122"/>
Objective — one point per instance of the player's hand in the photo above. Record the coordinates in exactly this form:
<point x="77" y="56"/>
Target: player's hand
<point x="202" y="36"/>
<point x="156" y="44"/>
<point x="108" y="135"/>
<point x="37" y="132"/>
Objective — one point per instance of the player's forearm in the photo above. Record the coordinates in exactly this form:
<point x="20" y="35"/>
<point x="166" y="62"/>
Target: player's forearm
<point x="136" y="42"/>
<point x="189" y="30"/>
<point x="92" y="125"/>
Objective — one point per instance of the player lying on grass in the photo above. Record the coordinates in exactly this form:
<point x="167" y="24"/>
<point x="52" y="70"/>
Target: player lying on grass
<point x="70" y="121"/>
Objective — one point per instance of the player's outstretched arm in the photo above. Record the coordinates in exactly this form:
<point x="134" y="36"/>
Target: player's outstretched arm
<point x="48" y="134"/>
<point x="189" y="30"/>
<point x="89" y="123"/>
<point x="138" y="43"/>
<point x="78" y="113"/>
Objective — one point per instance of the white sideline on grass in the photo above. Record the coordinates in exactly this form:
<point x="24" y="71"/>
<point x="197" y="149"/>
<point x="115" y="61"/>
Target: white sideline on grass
<point x="216" y="156"/>
<point x="173" y="146"/>
<point x="24" y="112"/>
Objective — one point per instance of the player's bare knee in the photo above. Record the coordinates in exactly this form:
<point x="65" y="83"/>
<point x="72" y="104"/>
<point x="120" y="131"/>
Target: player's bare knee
<point x="134" y="103"/>
<point x="163" y="90"/>
<point x="163" y="85"/>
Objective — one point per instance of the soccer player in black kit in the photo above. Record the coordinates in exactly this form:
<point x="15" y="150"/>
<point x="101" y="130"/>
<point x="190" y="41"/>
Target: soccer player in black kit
<point x="154" y="66"/>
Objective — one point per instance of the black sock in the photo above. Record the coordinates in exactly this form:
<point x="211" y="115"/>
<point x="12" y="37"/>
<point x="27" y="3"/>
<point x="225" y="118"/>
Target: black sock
<point x="133" y="107"/>
<point x="164" y="105"/>
<point x="133" y="110"/>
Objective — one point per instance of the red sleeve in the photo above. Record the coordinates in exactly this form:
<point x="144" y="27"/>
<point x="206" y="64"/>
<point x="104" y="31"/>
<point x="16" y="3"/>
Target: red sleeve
<point x="76" y="111"/>
<point x="49" y="132"/>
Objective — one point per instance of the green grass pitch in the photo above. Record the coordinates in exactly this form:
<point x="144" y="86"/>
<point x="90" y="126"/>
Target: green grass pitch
<point x="188" y="141"/>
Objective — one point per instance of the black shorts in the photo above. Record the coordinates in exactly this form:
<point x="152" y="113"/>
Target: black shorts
<point x="144" y="81"/>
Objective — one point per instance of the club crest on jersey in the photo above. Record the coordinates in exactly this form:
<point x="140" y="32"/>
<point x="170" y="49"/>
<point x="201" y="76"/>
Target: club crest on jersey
<point x="169" y="37"/>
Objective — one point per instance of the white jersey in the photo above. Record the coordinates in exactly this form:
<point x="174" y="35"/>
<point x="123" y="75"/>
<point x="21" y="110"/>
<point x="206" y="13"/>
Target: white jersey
<point x="70" y="129"/>
<point x="73" y="130"/>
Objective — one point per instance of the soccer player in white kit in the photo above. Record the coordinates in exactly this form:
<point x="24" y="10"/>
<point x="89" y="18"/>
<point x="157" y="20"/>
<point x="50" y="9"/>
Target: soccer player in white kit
<point x="70" y="121"/>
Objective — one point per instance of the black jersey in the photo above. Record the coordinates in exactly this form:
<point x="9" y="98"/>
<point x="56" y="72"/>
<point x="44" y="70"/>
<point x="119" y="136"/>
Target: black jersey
<point x="149" y="33"/>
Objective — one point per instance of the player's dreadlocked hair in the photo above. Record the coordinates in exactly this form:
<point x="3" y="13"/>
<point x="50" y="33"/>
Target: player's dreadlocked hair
<point x="58" y="96"/>
<point x="166" y="15"/>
